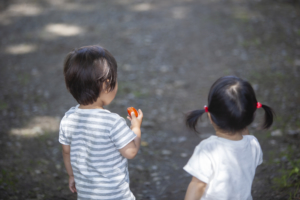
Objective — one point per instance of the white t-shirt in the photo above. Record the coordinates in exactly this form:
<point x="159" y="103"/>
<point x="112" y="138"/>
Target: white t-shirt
<point x="95" y="137"/>
<point x="226" y="166"/>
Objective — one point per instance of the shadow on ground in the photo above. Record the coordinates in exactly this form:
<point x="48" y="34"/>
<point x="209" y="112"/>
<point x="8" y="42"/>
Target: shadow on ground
<point x="169" y="53"/>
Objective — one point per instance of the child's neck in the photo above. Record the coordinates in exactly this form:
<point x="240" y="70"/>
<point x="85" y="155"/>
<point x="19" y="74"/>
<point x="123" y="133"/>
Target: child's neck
<point x="90" y="106"/>
<point x="237" y="136"/>
<point x="96" y="105"/>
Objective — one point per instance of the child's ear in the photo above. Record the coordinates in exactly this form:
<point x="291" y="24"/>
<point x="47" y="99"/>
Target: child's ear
<point x="105" y="89"/>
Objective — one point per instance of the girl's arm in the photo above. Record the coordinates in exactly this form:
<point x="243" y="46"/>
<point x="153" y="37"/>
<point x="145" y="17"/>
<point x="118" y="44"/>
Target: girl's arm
<point x="195" y="190"/>
<point x="66" y="155"/>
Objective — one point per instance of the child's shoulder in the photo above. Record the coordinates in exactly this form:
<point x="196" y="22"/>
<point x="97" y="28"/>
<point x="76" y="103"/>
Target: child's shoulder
<point x="93" y="114"/>
<point x="208" y="142"/>
<point x="71" y="111"/>
<point x="252" y="139"/>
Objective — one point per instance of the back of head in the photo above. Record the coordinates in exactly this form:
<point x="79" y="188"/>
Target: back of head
<point x="88" y="70"/>
<point x="231" y="104"/>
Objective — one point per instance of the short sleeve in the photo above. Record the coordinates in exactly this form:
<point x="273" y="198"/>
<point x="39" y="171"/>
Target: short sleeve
<point x="199" y="165"/>
<point x="260" y="153"/>
<point x="64" y="138"/>
<point x="121" y="134"/>
<point x="257" y="150"/>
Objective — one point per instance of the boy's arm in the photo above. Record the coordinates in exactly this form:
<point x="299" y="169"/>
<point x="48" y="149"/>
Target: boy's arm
<point x="132" y="148"/>
<point x="195" y="189"/>
<point x="66" y="155"/>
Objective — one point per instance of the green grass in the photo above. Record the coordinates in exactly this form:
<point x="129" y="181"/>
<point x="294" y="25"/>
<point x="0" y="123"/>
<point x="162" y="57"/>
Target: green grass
<point x="289" y="176"/>
<point x="8" y="179"/>
<point x="294" y="194"/>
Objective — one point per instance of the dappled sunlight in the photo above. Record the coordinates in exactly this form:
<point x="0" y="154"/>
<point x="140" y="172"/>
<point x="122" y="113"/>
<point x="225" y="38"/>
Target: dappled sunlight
<point x="169" y="53"/>
<point x="142" y="7"/>
<point x="19" y="10"/>
<point x="179" y="12"/>
<point x="24" y="10"/>
<point x="20" y="49"/>
<point x="38" y="126"/>
<point x="64" y="30"/>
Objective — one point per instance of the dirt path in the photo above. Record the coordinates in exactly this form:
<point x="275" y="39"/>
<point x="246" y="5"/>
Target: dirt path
<point x="169" y="53"/>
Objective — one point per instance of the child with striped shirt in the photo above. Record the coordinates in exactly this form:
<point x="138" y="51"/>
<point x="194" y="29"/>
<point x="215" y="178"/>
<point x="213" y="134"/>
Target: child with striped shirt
<point x="96" y="143"/>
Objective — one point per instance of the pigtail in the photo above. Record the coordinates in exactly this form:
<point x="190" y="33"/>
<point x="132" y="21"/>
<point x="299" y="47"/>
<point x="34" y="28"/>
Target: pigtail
<point x="192" y="118"/>
<point x="269" y="115"/>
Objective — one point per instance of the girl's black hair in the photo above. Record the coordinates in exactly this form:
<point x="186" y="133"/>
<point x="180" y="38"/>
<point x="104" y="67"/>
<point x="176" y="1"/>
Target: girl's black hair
<point x="231" y="104"/>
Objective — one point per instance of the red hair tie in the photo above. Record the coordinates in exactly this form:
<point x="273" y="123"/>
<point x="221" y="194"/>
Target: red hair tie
<point x="258" y="105"/>
<point x="206" y="108"/>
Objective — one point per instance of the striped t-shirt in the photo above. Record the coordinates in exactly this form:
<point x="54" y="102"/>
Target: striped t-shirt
<point x="95" y="137"/>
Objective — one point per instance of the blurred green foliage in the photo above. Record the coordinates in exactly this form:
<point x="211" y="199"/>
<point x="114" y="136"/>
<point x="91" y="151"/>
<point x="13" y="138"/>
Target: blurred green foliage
<point x="289" y="173"/>
<point x="8" y="179"/>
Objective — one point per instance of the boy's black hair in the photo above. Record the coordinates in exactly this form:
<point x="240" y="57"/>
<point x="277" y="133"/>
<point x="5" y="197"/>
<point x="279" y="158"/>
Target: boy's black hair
<point x="231" y="104"/>
<point x="88" y="70"/>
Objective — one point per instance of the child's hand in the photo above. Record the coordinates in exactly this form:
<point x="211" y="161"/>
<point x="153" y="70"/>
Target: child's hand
<point x="136" y="122"/>
<point x="72" y="184"/>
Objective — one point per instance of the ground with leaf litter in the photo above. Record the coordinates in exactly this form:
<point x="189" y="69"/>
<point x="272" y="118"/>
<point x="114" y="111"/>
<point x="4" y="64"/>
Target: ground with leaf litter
<point x="169" y="54"/>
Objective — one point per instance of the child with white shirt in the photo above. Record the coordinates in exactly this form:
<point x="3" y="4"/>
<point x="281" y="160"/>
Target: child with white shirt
<point x="223" y="166"/>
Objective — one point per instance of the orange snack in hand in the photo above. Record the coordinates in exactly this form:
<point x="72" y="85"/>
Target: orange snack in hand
<point x="130" y="110"/>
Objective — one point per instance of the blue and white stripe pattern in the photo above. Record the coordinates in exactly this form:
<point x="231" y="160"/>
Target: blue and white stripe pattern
<point x="95" y="137"/>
